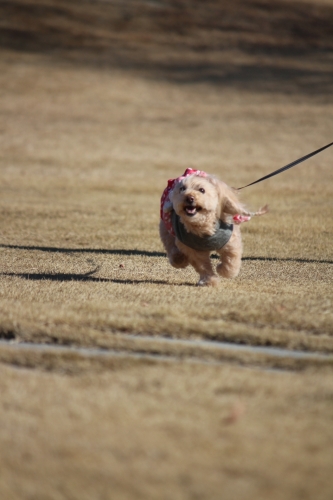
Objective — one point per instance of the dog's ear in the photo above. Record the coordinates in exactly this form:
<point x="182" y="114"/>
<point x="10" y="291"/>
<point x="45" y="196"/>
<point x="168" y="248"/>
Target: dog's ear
<point x="229" y="203"/>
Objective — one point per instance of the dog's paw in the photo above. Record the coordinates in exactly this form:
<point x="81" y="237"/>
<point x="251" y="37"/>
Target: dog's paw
<point x="178" y="260"/>
<point x="208" y="281"/>
<point x="228" y="271"/>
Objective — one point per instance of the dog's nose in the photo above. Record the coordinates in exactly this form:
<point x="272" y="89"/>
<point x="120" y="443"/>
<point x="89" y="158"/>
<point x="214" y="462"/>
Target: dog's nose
<point x="190" y="199"/>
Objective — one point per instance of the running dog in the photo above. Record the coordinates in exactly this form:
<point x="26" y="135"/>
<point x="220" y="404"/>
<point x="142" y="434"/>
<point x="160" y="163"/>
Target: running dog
<point x="200" y="215"/>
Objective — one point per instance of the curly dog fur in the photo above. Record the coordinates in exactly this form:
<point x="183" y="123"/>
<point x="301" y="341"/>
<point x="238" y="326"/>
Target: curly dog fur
<point x="200" y="202"/>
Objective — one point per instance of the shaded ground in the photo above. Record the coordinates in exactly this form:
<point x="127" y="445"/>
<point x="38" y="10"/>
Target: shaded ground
<point x="255" y="44"/>
<point x="101" y="103"/>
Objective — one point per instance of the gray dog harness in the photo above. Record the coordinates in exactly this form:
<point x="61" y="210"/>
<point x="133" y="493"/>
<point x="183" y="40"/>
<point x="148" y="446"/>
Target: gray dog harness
<point x="207" y="243"/>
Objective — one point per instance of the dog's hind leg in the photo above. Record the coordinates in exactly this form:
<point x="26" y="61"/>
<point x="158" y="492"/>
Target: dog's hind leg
<point x="231" y="256"/>
<point x="176" y="258"/>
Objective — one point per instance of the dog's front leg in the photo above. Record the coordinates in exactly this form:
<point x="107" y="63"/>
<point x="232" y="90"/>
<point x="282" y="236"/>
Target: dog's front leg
<point x="201" y="263"/>
<point x="204" y="267"/>
<point x="176" y="258"/>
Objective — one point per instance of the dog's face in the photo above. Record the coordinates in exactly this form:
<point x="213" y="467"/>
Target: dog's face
<point x="201" y="201"/>
<point x="195" y="197"/>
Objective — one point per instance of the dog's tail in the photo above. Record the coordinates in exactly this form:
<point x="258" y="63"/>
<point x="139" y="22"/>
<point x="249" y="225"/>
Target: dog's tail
<point x="238" y="219"/>
<point x="261" y="211"/>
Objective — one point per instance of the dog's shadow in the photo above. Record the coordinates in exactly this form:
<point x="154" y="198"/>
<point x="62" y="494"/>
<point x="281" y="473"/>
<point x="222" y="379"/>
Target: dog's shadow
<point x="85" y="277"/>
<point x="288" y="259"/>
<point x="148" y="253"/>
<point x="89" y="276"/>
<point x="100" y="251"/>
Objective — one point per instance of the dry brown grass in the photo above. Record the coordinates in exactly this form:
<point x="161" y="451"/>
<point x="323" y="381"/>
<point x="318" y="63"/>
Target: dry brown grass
<point x="93" y="124"/>
<point x="85" y="157"/>
<point x="166" y="431"/>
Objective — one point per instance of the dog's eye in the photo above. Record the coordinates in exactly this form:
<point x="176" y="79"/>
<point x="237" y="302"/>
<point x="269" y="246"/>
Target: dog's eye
<point x="182" y="188"/>
<point x="202" y="190"/>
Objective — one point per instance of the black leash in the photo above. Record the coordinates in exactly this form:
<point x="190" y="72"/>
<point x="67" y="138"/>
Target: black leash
<point x="292" y="164"/>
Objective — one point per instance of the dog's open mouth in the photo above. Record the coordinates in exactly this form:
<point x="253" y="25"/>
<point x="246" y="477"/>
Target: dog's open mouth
<point x="190" y="210"/>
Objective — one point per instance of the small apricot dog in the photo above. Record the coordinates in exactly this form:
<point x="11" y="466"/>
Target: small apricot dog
<point x="200" y="215"/>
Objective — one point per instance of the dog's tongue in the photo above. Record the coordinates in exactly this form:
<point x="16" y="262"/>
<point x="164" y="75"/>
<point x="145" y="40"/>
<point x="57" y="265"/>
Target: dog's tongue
<point x="190" y="210"/>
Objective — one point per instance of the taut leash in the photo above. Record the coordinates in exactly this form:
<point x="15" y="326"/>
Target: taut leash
<point x="292" y="164"/>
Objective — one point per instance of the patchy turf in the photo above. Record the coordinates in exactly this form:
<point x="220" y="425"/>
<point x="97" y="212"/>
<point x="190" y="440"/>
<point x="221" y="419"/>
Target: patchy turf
<point x="96" y="117"/>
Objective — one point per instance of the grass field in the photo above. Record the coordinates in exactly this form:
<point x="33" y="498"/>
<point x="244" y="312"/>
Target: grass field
<point x="101" y="103"/>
